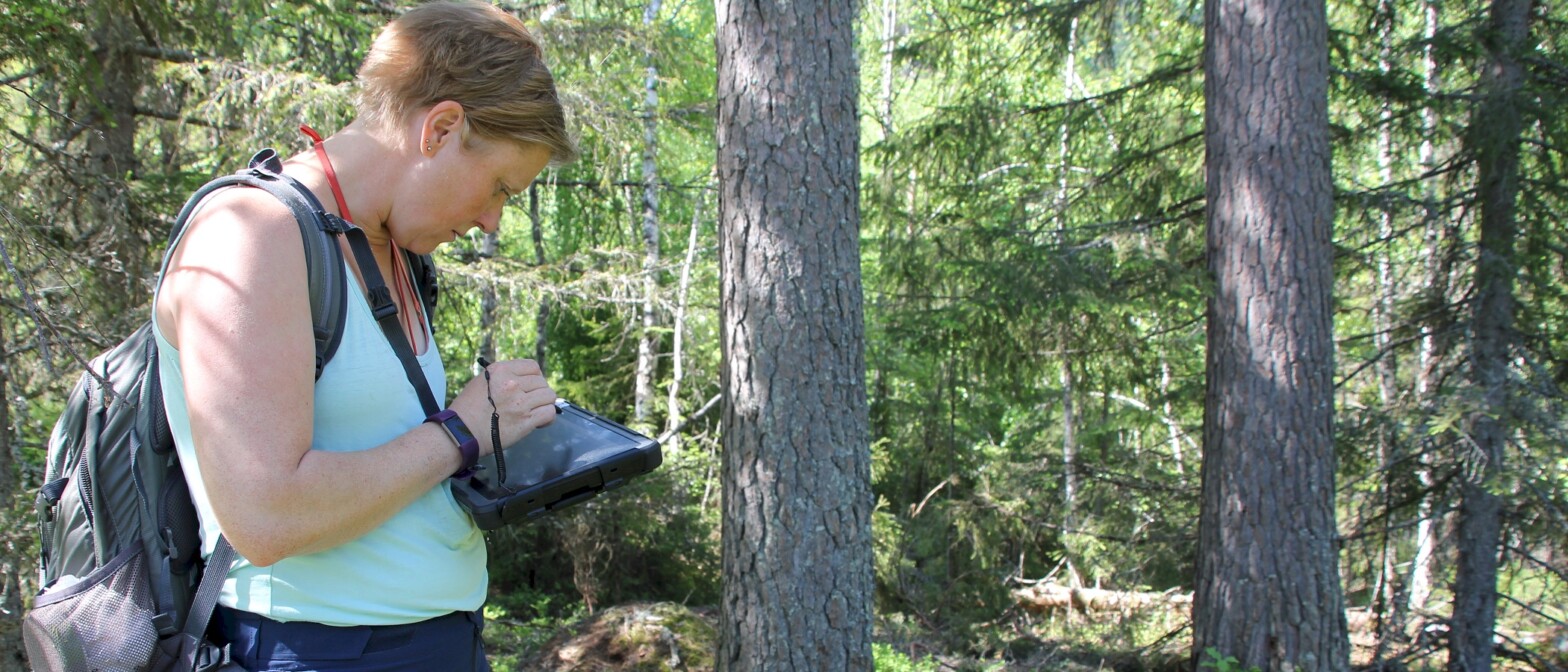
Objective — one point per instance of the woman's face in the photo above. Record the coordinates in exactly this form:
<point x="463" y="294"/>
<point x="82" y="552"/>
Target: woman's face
<point x="459" y="188"/>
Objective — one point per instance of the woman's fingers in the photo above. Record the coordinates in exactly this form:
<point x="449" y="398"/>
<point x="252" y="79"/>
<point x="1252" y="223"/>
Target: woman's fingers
<point x="521" y="396"/>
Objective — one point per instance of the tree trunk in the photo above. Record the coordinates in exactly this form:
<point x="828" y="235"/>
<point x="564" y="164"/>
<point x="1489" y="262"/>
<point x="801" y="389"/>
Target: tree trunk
<point x="889" y="46"/>
<point x="1069" y="439"/>
<point x="647" y="342"/>
<point x="488" y="303"/>
<point x="542" y="313"/>
<point x="111" y="159"/>
<point x="1065" y="364"/>
<point x="1433" y="349"/>
<point x="1173" y="430"/>
<point x="678" y="341"/>
<point x="1494" y="139"/>
<point x="11" y="564"/>
<point x="1385" y="607"/>
<point x="797" y="503"/>
<point x="1267" y="588"/>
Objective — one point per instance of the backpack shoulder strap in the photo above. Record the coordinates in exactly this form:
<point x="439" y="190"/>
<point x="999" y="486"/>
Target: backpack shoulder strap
<point x="423" y="268"/>
<point x="385" y="312"/>
<point x="327" y="277"/>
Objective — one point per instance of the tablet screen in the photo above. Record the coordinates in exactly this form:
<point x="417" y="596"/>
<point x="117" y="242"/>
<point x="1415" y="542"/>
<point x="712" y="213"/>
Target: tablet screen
<point x="575" y="440"/>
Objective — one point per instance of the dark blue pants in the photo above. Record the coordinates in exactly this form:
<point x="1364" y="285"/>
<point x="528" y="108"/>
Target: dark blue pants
<point x="446" y="643"/>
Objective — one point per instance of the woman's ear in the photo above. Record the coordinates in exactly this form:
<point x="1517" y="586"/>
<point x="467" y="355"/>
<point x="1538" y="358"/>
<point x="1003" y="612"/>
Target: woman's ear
<point x="441" y="125"/>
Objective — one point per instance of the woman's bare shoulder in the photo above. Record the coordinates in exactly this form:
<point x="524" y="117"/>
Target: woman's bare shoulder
<point x="240" y="254"/>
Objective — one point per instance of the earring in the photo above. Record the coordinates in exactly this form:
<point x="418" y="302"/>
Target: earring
<point x="429" y="148"/>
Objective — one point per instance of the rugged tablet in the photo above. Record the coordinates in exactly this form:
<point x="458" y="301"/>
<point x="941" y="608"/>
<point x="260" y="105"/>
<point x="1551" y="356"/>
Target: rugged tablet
<point x="568" y="461"/>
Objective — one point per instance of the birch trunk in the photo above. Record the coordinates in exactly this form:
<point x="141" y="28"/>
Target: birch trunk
<point x="487" y="300"/>
<point x="1427" y="525"/>
<point x="542" y="313"/>
<point x="1387" y="615"/>
<point x="647" y="342"/>
<point x="678" y="346"/>
<point x="1065" y="372"/>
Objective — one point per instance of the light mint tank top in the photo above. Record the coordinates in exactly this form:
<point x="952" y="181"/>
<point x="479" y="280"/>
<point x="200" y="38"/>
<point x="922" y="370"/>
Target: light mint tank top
<point x="427" y="560"/>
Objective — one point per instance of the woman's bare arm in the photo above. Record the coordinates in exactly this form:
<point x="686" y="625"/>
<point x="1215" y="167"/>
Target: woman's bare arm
<point x="237" y="303"/>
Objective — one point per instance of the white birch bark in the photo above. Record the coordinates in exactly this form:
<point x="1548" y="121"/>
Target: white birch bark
<point x="647" y="343"/>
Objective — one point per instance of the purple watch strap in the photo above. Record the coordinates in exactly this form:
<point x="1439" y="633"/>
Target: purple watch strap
<point x="458" y="432"/>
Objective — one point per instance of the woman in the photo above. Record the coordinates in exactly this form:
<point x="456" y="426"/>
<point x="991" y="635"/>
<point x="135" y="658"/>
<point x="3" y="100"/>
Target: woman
<point x="333" y="492"/>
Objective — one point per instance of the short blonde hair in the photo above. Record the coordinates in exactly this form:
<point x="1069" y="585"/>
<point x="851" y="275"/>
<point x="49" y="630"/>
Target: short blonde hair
<point x="476" y="55"/>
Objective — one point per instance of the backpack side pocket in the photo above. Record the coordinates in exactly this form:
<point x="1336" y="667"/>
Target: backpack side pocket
<point x="102" y="622"/>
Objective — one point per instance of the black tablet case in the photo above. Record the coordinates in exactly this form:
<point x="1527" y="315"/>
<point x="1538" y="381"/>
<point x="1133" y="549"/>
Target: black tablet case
<point x="568" y="461"/>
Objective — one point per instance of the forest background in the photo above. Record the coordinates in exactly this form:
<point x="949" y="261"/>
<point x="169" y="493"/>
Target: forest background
<point x="1033" y="252"/>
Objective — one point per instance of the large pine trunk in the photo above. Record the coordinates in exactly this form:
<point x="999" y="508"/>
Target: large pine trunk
<point x="796" y="460"/>
<point x="1494" y="139"/>
<point x="1268" y="589"/>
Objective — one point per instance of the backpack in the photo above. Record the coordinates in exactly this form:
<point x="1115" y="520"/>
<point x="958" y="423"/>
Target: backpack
<point x="120" y="552"/>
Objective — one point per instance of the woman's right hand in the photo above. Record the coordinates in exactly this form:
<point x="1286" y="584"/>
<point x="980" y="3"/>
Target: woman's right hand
<point x="522" y="397"/>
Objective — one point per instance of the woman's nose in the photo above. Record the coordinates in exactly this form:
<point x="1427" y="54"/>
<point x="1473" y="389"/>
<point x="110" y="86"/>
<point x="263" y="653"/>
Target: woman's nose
<point x="490" y="221"/>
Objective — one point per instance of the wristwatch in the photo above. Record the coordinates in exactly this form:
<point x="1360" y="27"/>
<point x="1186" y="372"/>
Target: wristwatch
<point x="458" y="432"/>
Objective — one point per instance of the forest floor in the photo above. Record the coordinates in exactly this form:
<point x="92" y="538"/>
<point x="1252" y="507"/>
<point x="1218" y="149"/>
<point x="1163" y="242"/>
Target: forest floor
<point x="666" y="636"/>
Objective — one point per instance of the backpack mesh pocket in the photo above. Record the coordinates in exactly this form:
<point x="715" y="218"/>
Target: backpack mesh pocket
<point x="103" y="622"/>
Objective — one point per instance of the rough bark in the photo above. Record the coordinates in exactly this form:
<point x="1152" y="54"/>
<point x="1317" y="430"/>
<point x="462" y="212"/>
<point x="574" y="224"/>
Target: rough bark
<point x="796" y="540"/>
<point x="1493" y="137"/>
<point x="1267" y="589"/>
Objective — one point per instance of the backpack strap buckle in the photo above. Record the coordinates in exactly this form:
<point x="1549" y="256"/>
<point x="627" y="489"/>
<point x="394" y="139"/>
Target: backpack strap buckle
<point x="334" y="224"/>
<point x="381" y="304"/>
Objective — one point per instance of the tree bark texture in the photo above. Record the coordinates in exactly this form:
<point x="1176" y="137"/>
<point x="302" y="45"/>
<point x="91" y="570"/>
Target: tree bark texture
<point x="796" y="538"/>
<point x="1494" y="140"/>
<point x="1268" y="589"/>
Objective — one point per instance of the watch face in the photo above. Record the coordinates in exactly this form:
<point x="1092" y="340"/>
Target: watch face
<point x="459" y="431"/>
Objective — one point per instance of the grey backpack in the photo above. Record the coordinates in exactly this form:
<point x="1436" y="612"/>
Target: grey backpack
<point x="120" y="553"/>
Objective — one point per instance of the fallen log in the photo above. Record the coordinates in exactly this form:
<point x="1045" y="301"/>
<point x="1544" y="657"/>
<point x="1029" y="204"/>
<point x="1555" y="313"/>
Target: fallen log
<point x="1046" y="598"/>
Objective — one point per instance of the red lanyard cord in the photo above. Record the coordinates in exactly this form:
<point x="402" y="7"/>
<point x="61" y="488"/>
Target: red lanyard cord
<point x="332" y="175"/>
